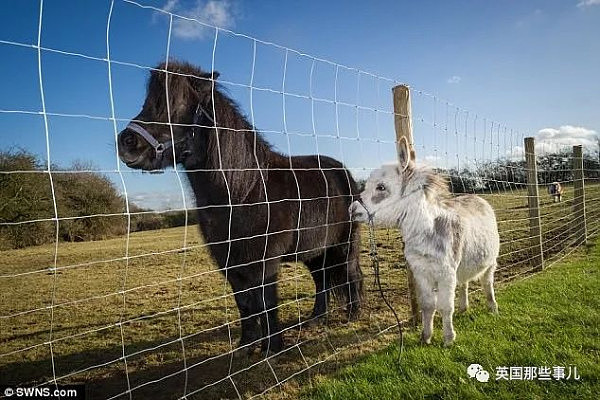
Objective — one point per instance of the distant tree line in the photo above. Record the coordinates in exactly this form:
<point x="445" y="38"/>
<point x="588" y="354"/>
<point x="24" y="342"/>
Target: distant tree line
<point x="90" y="207"/>
<point x="88" y="204"/>
<point x="506" y="174"/>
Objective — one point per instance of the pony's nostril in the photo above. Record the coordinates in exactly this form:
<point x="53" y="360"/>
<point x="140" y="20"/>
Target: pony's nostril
<point x="129" y="139"/>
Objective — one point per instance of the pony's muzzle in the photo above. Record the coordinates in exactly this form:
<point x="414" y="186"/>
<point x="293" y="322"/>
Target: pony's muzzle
<point x="358" y="212"/>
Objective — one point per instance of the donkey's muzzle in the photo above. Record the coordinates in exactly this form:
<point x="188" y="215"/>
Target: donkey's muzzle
<point x="358" y="212"/>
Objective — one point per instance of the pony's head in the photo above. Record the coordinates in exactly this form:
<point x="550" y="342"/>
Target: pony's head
<point x="392" y="189"/>
<point x="178" y="101"/>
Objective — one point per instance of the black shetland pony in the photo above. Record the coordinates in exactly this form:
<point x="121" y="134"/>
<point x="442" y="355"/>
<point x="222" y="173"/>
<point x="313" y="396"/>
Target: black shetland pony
<point x="256" y="207"/>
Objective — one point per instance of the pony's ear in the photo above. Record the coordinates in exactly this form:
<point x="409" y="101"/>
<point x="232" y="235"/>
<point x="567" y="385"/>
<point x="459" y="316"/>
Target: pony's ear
<point x="404" y="153"/>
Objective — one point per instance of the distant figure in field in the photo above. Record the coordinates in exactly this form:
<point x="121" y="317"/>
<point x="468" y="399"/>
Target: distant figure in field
<point x="556" y="191"/>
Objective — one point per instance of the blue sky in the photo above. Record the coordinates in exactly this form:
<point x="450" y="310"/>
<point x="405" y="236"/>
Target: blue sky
<point x="519" y="68"/>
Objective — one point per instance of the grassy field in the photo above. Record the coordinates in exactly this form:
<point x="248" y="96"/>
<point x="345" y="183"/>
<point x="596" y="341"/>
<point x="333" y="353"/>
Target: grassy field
<point x="143" y="313"/>
<point x="550" y="320"/>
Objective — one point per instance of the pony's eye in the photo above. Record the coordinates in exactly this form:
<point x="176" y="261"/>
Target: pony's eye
<point x="380" y="187"/>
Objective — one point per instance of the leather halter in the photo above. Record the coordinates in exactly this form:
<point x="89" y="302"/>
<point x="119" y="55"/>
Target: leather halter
<point x="160" y="147"/>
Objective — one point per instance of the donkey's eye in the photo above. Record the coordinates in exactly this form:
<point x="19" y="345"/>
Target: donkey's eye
<point x="380" y="187"/>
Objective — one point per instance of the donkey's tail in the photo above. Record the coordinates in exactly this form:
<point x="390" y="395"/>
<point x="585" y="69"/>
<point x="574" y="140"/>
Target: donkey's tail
<point x="346" y="277"/>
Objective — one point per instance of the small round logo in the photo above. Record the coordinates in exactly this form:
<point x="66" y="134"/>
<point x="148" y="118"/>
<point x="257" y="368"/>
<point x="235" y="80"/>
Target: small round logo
<point x="476" y="371"/>
<point x="482" y="376"/>
<point x="9" y="392"/>
<point x="473" y="369"/>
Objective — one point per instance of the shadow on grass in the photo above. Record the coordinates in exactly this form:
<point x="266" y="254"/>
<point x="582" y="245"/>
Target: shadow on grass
<point x="210" y="369"/>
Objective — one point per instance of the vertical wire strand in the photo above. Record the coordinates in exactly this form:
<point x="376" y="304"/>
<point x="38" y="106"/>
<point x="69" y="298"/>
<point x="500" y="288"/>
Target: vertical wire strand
<point x="52" y="188"/>
<point x="183" y="198"/>
<point x="126" y="196"/>
<point x="266" y="194"/>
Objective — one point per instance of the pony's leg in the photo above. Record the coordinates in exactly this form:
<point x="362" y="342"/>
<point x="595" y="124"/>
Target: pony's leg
<point x="246" y="303"/>
<point x="446" y="291"/>
<point x="318" y="272"/>
<point x="487" y="283"/>
<point x="352" y="274"/>
<point x="463" y="297"/>
<point x="272" y="337"/>
<point x="427" y="301"/>
<point x="344" y="276"/>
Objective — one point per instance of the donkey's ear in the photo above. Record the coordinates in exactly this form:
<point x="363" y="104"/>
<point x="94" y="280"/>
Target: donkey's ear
<point x="404" y="153"/>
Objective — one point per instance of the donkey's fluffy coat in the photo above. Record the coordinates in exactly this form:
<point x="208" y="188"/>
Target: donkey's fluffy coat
<point x="448" y="240"/>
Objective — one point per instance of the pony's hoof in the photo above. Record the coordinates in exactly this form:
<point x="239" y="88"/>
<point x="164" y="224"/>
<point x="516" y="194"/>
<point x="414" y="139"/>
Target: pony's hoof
<point x="316" y="320"/>
<point x="448" y="343"/>
<point x="246" y="349"/>
<point x="273" y="346"/>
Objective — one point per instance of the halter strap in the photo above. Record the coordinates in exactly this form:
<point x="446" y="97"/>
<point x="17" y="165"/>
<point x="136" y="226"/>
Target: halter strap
<point x="159" y="148"/>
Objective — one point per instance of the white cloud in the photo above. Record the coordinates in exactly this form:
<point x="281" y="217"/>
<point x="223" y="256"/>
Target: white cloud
<point x="587" y="3"/>
<point x="454" y="79"/>
<point x="551" y="140"/>
<point x="157" y="200"/>
<point x="217" y="13"/>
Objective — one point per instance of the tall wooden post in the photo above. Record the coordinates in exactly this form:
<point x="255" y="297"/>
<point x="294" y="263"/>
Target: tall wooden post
<point x="579" y="219"/>
<point x="533" y="200"/>
<point x="403" y="125"/>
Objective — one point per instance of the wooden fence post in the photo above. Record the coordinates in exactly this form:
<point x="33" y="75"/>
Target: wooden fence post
<point x="579" y="218"/>
<point x="403" y="125"/>
<point x="533" y="200"/>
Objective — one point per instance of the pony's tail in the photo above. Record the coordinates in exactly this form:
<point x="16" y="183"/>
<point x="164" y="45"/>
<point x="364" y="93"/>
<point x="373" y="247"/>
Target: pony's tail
<point x="346" y="277"/>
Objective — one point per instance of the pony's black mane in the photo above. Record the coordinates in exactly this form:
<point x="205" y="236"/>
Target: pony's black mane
<point x="238" y="147"/>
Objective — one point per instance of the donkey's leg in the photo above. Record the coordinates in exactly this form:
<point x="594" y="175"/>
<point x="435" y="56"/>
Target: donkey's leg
<point x="427" y="301"/>
<point x="487" y="282"/>
<point x="463" y="297"/>
<point x="272" y="337"/>
<point x="446" y="292"/>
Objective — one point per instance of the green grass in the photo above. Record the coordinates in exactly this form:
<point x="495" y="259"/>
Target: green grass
<point x="161" y="292"/>
<point x="550" y="319"/>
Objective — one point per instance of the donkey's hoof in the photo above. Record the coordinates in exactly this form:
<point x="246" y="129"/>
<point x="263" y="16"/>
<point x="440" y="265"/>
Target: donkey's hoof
<point x="449" y="339"/>
<point x="425" y="339"/>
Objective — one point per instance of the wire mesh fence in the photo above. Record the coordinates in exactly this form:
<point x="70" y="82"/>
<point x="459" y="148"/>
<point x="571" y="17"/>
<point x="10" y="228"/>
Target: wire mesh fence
<point x="137" y="312"/>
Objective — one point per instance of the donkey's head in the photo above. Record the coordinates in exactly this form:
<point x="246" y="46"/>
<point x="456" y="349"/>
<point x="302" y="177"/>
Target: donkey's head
<point x="386" y="188"/>
<point x="179" y="98"/>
